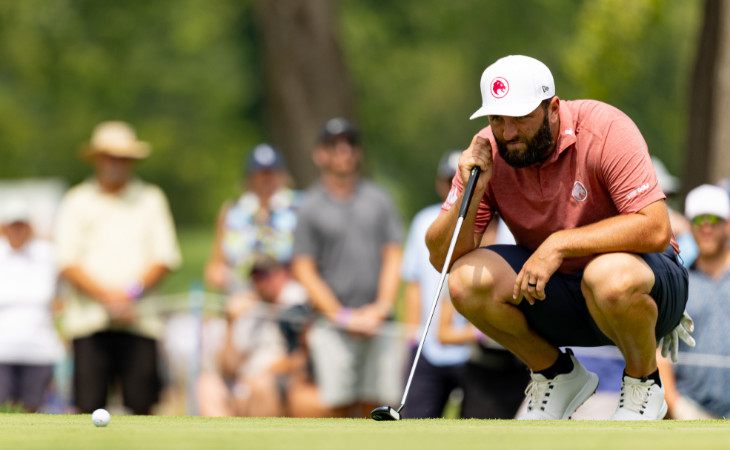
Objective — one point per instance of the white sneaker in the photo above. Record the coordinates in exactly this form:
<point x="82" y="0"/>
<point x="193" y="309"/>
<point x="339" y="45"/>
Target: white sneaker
<point x="559" y="397"/>
<point x="640" y="400"/>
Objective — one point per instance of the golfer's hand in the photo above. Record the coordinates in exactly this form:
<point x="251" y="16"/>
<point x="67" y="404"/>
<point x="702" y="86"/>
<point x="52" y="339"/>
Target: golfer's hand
<point x="537" y="270"/>
<point x="682" y="331"/>
<point x="479" y="154"/>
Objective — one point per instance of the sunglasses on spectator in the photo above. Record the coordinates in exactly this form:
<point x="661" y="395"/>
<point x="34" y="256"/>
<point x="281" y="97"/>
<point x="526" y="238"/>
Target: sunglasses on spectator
<point x="706" y="218"/>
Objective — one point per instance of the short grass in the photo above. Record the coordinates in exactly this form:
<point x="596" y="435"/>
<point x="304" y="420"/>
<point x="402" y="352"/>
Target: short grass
<point x="26" y="431"/>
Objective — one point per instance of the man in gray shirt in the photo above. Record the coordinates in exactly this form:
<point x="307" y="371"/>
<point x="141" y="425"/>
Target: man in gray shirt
<point x="347" y="255"/>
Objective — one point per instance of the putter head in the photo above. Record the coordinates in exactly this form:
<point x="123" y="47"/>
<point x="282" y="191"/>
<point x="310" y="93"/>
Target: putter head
<point x="382" y="413"/>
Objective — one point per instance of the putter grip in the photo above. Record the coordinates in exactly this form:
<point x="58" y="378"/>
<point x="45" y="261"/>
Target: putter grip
<point x="469" y="191"/>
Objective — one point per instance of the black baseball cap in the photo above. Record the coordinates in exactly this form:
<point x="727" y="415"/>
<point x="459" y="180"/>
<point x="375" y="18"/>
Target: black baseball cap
<point x="339" y="127"/>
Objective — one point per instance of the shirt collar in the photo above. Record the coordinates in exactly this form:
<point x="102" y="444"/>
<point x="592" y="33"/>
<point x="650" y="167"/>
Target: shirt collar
<point x="566" y="137"/>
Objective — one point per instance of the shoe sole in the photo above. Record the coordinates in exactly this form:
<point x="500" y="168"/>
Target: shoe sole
<point x="584" y="394"/>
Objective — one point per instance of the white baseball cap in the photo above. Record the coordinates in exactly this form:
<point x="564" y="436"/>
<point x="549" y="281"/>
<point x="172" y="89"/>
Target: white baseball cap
<point x="707" y="199"/>
<point x="15" y="210"/>
<point x="514" y="86"/>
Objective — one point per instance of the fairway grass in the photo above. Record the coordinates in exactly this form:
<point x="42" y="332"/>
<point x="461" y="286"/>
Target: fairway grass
<point x="40" y="431"/>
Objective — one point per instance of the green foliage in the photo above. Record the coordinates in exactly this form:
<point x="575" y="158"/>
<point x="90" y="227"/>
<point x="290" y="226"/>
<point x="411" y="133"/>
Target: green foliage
<point x="638" y="55"/>
<point x="417" y="65"/>
<point x="187" y="73"/>
<point x="182" y="71"/>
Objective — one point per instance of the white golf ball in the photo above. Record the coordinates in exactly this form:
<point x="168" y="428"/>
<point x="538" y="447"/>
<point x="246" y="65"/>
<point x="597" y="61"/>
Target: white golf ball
<point x="101" y="417"/>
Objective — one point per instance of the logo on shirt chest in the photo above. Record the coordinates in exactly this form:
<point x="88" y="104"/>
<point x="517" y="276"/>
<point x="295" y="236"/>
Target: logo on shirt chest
<point x="579" y="193"/>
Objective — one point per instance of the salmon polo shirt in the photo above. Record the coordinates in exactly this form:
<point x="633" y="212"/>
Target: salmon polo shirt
<point x="601" y="168"/>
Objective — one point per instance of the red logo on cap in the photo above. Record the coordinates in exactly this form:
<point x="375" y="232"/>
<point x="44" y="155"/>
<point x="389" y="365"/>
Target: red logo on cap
<point x="499" y="87"/>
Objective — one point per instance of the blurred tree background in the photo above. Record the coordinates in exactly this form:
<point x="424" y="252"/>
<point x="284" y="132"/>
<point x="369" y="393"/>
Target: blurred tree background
<point x="194" y="77"/>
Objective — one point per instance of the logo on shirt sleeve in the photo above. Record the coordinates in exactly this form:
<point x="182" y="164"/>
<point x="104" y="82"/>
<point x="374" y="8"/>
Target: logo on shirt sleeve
<point x="451" y="198"/>
<point x="580" y="193"/>
<point x="637" y="191"/>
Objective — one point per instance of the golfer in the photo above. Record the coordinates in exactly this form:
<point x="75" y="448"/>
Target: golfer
<point x="595" y="262"/>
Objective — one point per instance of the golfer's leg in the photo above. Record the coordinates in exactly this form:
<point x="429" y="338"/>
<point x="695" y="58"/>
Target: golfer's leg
<point x="616" y="287"/>
<point x="480" y="284"/>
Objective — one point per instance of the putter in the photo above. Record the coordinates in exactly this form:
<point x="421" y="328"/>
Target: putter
<point x="383" y="413"/>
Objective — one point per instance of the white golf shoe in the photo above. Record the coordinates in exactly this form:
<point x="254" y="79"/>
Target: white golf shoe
<point x="558" y="398"/>
<point x="640" y="400"/>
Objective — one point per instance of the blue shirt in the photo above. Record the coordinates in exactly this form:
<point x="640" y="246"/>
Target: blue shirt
<point x="417" y="268"/>
<point x="709" y="307"/>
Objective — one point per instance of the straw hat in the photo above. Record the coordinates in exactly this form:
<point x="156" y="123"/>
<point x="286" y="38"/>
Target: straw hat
<point x="117" y="139"/>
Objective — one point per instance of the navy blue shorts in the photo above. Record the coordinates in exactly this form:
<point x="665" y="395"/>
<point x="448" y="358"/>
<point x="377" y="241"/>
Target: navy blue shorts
<point x="563" y="317"/>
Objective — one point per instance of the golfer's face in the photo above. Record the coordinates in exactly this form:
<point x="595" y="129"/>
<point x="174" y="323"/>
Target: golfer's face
<point x="526" y="140"/>
<point x="517" y="132"/>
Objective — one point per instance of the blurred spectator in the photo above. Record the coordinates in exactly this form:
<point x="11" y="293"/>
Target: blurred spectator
<point x="116" y="240"/>
<point x="263" y="356"/>
<point x="347" y="255"/>
<point x="494" y="379"/>
<point x="262" y="219"/>
<point x="29" y="343"/>
<point x="671" y="186"/>
<point x="697" y="389"/>
<point x="440" y="368"/>
<point x="260" y="222"/>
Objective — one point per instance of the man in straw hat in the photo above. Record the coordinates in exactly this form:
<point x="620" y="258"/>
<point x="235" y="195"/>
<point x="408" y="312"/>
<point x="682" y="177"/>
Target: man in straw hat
<point x="116" y="240"/>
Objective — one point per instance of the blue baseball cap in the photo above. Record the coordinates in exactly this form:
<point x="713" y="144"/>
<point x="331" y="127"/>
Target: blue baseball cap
<point x="265" y="157"/>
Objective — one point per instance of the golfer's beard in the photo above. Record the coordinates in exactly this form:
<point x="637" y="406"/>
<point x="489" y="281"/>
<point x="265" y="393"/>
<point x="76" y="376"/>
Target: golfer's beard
<point x="536" y="151"/>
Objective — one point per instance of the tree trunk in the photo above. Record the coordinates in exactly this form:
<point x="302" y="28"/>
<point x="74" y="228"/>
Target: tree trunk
<point x="709" y="135"/>
<point x="306" y="78"/>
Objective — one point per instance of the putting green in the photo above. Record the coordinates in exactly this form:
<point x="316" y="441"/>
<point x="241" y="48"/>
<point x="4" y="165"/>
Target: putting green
<point x="25" y="431"/>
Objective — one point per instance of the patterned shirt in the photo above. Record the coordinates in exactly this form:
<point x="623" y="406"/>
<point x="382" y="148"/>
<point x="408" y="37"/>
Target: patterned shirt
<point x="247" y="230"/>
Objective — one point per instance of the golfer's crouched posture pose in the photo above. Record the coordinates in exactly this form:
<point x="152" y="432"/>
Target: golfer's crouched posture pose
<point x="595" y="261"/>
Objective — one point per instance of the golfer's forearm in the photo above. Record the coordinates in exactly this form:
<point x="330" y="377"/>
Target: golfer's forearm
<point x="647" y="231"/>
<point x="439" y="235"/>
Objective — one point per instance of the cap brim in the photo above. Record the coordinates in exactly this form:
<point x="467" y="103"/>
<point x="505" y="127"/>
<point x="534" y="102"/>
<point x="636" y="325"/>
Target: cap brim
<point x="514" y="110"/>
<point x="140" y="151"/>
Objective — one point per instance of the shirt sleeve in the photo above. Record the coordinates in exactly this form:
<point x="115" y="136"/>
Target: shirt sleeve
<point x="409" y="264"/>
<point x="304" y="236"/>
<point x="393" y="224"/>
<point x="165" y="248"/>
<point x="627" y="168"/>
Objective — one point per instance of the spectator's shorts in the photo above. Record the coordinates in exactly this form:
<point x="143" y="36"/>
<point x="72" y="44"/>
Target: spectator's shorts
<point x="563" y="317"/>
<point x="349" y="369"/>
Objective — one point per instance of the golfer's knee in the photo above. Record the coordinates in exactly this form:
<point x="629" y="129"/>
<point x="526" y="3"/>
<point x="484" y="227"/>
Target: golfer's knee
<point x="468" y="290"/>
<point x="614" y="284"/>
